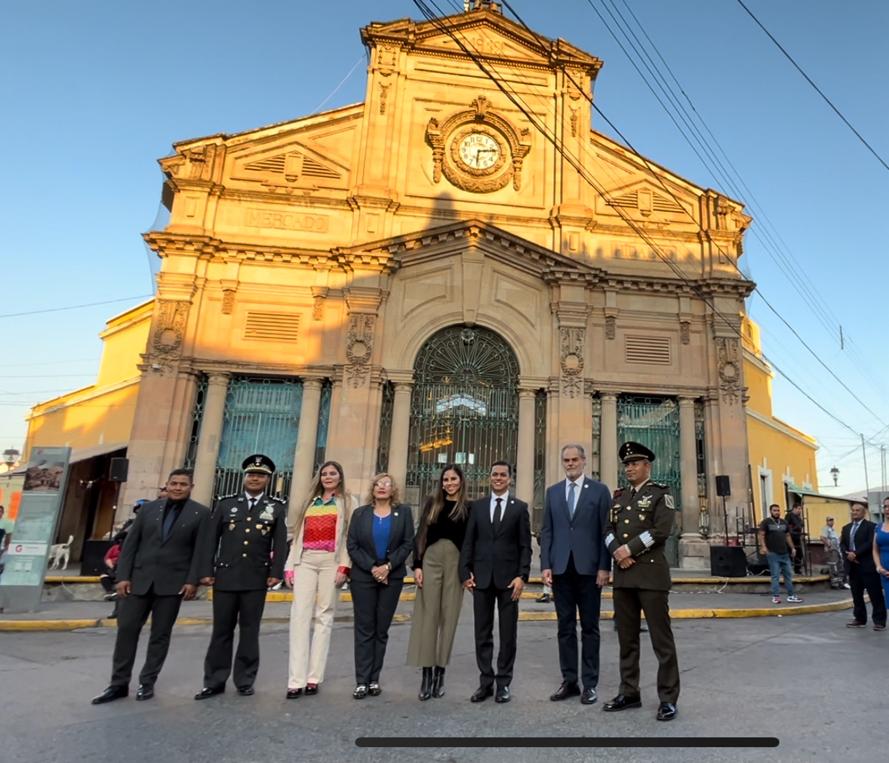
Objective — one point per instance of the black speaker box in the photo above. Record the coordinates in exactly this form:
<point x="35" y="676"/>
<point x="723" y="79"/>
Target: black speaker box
<point x="723" y="485"/>
<point x="118" y="470"/>
<point x="728" y="562"/>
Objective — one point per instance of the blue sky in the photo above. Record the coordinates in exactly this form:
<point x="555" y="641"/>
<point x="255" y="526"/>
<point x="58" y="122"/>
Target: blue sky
<point x="94" y="93"/>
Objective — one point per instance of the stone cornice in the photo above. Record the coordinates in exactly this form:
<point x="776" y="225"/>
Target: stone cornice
<point x="390" y="254"/>
<point x="412" y="35"/>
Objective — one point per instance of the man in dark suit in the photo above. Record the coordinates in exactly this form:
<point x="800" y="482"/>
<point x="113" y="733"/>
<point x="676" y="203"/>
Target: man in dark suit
<point x="158" y="568"/>
<point x="575" y="562"/>
<point x="639" y="522"/>
<point x="494" y="564"/>
<point x="244" y="557"/>
<point x="856" y="545"/>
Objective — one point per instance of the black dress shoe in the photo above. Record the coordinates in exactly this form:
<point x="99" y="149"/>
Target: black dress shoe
<point x="621" y="702"/>
<point x="482" y="693"/>
<point x="311" y="689"/>
<point x="425" y="685"/>
<point x="667" y="711"/>
<point x="588" y="697"/>
<point x="110" y="694"/>
<point x="246" y="691"/>
<point x="502" y="694"/>
<point x="373" y="688"/>
<point x="567" y="689"/>
<point x="294" y="693"/>
<point x="145" y="691"/>
<point x="209" y="691"/>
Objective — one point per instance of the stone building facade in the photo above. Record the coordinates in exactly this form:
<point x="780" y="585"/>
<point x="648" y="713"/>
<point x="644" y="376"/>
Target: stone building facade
<point x="431" y="275"/>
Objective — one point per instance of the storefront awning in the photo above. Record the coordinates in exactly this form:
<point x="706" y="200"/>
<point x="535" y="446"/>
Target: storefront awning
<point x="83" y="454"/>
<point x="809" y="493"/>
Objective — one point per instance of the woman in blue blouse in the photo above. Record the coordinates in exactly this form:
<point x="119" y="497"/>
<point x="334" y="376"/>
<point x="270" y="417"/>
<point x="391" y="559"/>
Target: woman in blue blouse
<point x="381" y="537"/>
<point x="881" y="552"/>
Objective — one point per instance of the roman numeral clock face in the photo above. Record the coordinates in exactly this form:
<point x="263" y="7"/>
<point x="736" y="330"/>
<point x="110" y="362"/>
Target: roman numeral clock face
<point x="479" y="151"/>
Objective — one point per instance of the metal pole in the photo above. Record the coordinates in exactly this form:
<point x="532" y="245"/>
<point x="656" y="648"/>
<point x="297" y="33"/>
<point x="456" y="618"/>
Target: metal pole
<point x="882" y="473"/>
<point x="866" y="481"/>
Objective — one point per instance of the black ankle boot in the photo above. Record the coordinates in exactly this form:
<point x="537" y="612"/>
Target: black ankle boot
<point x="426" y="685"/>
<point x="438" y="689"/>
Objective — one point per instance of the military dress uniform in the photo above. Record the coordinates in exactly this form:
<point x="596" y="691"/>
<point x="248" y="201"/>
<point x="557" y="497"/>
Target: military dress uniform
<point x="246" y="545"/>
<point x="642" y="519"/>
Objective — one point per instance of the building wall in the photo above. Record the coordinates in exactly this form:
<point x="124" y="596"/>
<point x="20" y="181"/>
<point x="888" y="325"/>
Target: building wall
<point x="780" y="455"/>
<point x="101" y="413"/>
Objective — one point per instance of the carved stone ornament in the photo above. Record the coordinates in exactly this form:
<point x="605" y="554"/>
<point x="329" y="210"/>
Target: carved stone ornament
<point x="729" y="365"/>
<point x="359" y="346"/>
<point x="228" y="301"/>
<point x="384" y="94"/>
<point x="169" y="327"/>
<point x="685" y="331"/>
<point x="571" y="340"/>
<point x="477" y="150"/>
<point x="610" y="326"/>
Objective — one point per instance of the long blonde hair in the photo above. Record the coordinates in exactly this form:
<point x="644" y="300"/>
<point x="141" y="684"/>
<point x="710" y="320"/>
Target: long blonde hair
<point x="394" y="499"/>
<point x="316" y="490"/>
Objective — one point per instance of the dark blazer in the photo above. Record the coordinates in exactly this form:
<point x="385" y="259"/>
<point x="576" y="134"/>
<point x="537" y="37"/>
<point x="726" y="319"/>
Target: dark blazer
<point x="582" y="537"/>
<point x="363" y="551"/>
<point x="497" y="559"/>
<point x="146" y="560"/>
<point x="244" y="547"/>
<point x="864" y="539"/>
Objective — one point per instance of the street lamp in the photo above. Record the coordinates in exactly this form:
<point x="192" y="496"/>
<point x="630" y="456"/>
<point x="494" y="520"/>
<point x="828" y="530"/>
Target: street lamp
<point x="835" y="473"/>
<point x="10" y="458"/>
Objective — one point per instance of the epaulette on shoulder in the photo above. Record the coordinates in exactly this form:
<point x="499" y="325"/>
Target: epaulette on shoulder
<point x="226" y="497"/>
<point x="662" y="485"/>
<point x="277" y="499"/>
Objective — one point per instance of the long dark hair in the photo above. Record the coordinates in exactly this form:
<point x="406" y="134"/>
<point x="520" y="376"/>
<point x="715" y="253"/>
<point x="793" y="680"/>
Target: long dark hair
<point x="435" y="503"/>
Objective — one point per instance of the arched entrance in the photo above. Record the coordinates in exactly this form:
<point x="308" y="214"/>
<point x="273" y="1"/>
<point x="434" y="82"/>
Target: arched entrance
<point x="464" y="408"/>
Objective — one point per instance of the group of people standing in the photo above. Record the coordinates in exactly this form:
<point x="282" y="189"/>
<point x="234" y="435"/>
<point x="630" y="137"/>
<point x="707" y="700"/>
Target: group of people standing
<point x="482" y="546"/>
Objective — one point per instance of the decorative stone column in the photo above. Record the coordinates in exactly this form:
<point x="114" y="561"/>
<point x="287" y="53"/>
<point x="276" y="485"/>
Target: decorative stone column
<point x="304" y="453"/>
<point x="525" y="447"/>
<point x="398" y="439"/>
<point x="210" y="437"/>
<point x="608" y="444"/>
<point x="688" y="467"/>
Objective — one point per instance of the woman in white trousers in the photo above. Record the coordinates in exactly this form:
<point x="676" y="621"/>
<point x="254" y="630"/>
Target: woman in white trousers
<point x="317" y="566"/>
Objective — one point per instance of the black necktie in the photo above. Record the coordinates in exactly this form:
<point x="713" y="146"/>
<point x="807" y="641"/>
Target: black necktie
<point x="170" y="519"/>
<point x="498" y="511"/>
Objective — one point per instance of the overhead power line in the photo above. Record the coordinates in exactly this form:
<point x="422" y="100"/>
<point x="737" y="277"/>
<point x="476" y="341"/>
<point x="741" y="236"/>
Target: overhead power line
<point x="74" y="307"/>
<point x="721" y="251"/>
<point x="428" y="14"/>
<point x="815" y="87"/>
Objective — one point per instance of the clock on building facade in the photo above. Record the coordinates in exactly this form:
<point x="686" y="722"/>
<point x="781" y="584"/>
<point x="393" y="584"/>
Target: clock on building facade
<point x="477" y="150"/>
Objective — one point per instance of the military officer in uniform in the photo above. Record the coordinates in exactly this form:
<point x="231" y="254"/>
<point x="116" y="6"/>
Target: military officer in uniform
<point x="244" y="557"/>
<point x="640" y="521"/>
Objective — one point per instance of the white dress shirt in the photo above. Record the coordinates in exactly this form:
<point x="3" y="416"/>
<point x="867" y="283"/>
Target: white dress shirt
<point x="503" y="499"/>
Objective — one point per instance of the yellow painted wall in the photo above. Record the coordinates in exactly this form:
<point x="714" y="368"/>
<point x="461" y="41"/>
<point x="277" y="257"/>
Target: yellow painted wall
<point x="103" y="412"/>
<point x="773" y="445"/>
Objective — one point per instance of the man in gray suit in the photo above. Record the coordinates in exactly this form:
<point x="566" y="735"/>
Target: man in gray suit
<point x="158" y="568"/>
<point x="574" y="561"/>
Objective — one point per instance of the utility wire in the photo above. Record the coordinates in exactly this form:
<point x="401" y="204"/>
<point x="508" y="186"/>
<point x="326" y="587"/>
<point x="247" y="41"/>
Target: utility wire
<point x="661" y="182"/>
<point x="74" y="307"/>
<point x="817" y="89"/>
<point x="573" y="161"/>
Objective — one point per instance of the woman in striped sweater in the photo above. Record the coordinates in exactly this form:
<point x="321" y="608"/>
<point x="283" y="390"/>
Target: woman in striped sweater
<point x="318" y="565"/>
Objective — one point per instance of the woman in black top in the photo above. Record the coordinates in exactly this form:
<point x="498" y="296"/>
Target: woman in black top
<point x="436" y="570"/>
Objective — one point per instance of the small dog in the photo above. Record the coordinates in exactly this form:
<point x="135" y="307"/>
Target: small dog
<point x="59" y="552"/>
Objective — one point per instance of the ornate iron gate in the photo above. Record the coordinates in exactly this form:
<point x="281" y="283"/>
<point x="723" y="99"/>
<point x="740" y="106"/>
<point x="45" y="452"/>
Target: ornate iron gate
<point x="654" y="422"/>
<point x="464" y="408"/>
<point x="261" y="416"/>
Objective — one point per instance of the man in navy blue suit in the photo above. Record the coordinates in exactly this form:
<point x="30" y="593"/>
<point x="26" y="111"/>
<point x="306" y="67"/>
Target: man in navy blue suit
<point x="575" y="562"/>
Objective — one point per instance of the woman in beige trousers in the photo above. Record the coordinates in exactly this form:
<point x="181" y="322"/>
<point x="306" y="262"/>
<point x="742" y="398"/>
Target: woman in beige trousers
<point x="317" y="566"/>
<point x="436" y="571"/>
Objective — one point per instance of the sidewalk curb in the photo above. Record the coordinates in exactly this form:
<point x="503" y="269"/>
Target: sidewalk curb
<point x="705" y="613"/>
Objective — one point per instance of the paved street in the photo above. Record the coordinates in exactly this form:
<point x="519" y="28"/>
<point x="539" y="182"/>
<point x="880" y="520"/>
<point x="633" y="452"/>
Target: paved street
<point x="794" y="678"/>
